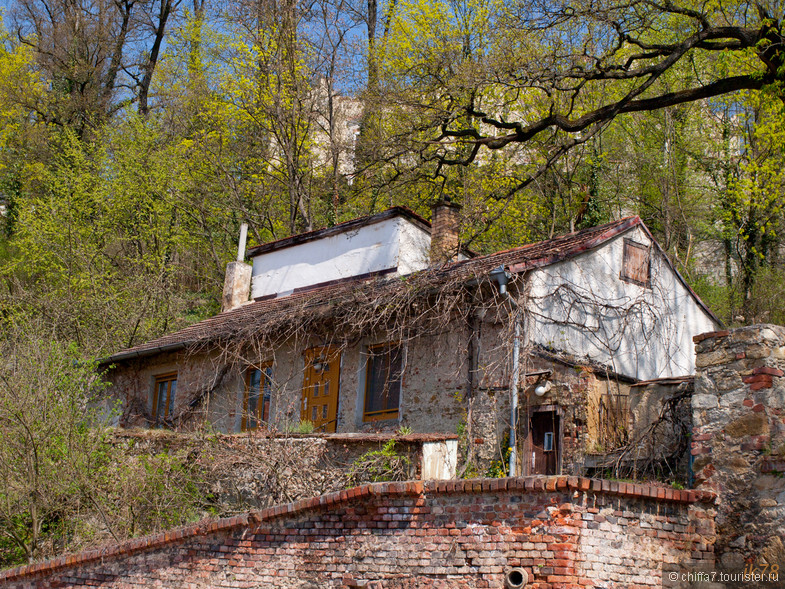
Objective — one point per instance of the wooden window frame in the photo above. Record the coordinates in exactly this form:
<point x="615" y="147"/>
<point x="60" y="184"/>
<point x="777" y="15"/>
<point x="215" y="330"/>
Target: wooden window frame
<point x="264" y="381"/>
<point x="374" y="352"/>
<point x="624" y="275"/>
<point x="169" y="377"/>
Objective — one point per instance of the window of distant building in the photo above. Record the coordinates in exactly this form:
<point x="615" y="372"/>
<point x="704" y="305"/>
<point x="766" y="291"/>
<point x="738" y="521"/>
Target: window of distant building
<point x="636" y="263"/>
<point x="383" y="382"/>
<point x="163" y="397"/>
<point x="256" y="399"/>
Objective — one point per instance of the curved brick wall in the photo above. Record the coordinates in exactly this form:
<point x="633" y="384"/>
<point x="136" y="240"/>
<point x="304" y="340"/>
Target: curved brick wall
<point x="567" y="532"/>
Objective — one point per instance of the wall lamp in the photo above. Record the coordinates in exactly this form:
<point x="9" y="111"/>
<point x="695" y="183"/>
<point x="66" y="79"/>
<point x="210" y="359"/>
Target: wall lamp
<point x="542" y="388"/>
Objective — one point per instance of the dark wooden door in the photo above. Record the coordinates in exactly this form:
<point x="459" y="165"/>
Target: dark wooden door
<point x="544" y="447"/>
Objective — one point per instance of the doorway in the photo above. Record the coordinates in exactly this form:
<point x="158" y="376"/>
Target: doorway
<point x="320" y="388"/>
<point x="544" y="442"/>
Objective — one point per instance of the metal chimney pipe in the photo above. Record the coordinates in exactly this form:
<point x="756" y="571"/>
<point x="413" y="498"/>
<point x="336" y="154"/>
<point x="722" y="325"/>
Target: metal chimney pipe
<point x="241" y="245"/>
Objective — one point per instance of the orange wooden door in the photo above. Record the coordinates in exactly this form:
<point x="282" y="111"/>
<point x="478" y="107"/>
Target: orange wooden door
<point x="320" y="387"/>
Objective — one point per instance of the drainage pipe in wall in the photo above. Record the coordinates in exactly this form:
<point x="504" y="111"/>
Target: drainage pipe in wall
<point x="502" y="277"/>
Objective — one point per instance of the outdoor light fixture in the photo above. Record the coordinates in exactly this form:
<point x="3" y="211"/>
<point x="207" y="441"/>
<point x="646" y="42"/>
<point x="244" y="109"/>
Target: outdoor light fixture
<point x="543" y="388"/>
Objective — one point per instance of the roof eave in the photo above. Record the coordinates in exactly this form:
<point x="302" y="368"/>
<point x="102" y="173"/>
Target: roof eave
<point x="583" y="248"/>
<point x="133" y="354"/>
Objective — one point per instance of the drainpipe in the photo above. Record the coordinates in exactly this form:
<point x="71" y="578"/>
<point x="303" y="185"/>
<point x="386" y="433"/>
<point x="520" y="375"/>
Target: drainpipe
<point x="502" y="277"/>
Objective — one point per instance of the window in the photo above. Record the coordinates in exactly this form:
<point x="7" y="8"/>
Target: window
<point x="635" y="263"/>
<point x="256" y="400"/>
<point x="547" y="442"/>
<point x="163" y="397"/>
<point x="383" y="382"/>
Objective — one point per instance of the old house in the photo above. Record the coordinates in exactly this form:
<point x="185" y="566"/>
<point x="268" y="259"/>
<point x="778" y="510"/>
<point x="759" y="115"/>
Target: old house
<point x="384" y="321"/>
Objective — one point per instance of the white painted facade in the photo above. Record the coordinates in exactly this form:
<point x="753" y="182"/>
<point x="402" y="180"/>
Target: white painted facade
<point x="390" y="244"/>
<point x="581" y="306"/>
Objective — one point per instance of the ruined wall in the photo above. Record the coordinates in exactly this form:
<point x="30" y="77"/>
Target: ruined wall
<point x="211" y="385"/>
<point x="198" y="377"/>
<point x="569" y="394"/>
<point x="255" y="470"/>
<point x="435" y="369"/>
<point x="738" y="441"/>
<point x="210" y="389"/>
<point x="657" y="444"/>
<point x="563" y="532"/>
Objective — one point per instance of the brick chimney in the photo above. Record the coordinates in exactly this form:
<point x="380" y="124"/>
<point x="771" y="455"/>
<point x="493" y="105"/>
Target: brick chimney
<point x="237" y="281"/>
<point x="445" y="222"/>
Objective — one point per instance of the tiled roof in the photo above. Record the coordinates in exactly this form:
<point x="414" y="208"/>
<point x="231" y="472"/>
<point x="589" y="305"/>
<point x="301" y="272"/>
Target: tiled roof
<point x="534" y="255"/>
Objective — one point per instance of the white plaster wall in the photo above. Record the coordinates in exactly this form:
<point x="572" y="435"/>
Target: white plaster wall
<point x="392" y="243"/>
<point x="415" y="247"/>
<point x="581" y="306"/>
<point x="439" y="460"/>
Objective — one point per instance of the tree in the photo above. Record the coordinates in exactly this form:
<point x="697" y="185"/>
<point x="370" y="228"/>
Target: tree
<point x="554" y="75"/>
<point x="65" y="483"/>
<point x="99" y="56"/>
<point x="47" y="448"/>
<point x="752" y="214"/>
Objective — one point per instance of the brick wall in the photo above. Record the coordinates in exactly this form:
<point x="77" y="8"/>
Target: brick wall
<point x="738" y="442"/>
<point x="565" y="532"/>
<point x="445" y="226"/>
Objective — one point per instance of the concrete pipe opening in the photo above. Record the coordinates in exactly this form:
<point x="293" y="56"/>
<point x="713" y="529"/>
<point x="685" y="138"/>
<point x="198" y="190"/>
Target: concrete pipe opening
<point x="516" y="578"/>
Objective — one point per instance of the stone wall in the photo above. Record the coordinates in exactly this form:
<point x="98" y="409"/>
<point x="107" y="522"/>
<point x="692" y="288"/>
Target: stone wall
<point x="738" y="441"/>
<point x="256" y="470"/>
<point x="563" y="532"/>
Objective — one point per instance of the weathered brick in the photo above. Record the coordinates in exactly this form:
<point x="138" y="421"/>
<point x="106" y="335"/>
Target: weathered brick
<point x="404" y="535"/>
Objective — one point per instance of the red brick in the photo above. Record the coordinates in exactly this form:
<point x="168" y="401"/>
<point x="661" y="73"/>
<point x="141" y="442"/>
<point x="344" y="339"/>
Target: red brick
<point x="768" y="370"/>
<point x="711" y="334"/>
<point x="272" y="547"/>
<point x="758" y="378"/>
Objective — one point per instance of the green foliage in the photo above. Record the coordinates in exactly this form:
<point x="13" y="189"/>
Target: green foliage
<point x="48" y="405"/>
<point x="498" y="467"/>
<point x="63" y="484"/>
<point x="144" y="494"/>
<point x="304" y="426"/>
<point x="381" y="465"/>
<point x="468" y="470"/>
